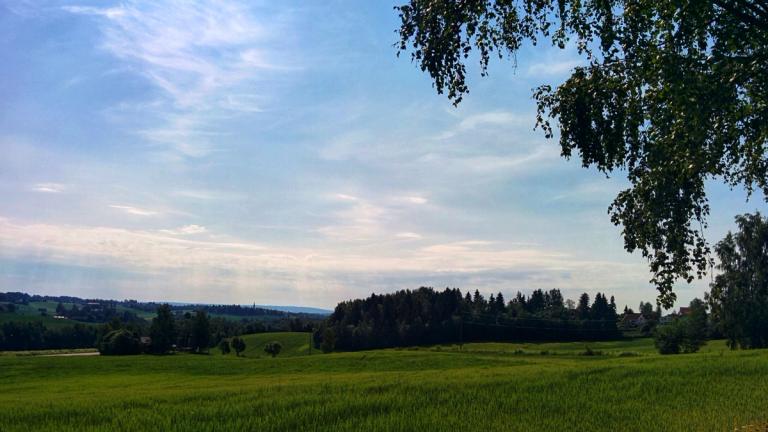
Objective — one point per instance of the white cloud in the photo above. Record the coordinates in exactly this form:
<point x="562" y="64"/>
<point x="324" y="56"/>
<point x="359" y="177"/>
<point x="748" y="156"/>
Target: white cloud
<point x="89" y="10"/>
<point x="408" y="236"/>
<point x="491" y="119"/>
<point x="414" y="199"/>
<point x="145" y="251"/>
<point x="344" y="197"/>
<point x="208" y="58"/>
<point x="553" y="67"/>
<point x="186" y="230"/>
<point x="49" y="187"/>
<point x="208" y="195"/>
<point x="134" y="210"/>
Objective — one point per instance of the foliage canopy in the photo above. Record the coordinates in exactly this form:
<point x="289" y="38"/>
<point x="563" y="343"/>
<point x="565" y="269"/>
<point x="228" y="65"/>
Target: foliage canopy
<point x="673" y="93"/>
<point x="739" y="294"/>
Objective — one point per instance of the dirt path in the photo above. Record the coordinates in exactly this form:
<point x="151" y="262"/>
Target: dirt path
<point x="78" y="354"/>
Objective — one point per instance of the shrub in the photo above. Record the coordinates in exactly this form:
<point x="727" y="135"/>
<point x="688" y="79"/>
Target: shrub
<point x="667" y="338"/>
<point x="329" y="341"/>
<point x="686" y="334"/>
<point x="590" y="352"/>
<point x="238" y="345"/>
<point x="224" y="347"/>
<point x="273" y="348"/>
<point x="119" y="342"/>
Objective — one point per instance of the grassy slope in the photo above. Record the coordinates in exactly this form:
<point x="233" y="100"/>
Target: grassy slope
<point x="294" y="344"/>
<point x="485" y="388"/>
<point x="30" y="313"/>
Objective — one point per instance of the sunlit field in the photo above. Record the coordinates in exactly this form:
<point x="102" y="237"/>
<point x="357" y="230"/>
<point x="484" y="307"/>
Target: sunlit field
<point x="494" y="386"/>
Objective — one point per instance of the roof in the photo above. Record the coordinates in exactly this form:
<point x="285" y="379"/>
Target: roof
<point x="632" y="316"/>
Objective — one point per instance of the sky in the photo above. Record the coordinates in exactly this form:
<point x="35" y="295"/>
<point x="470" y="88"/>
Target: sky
<point x="281" y="153"/>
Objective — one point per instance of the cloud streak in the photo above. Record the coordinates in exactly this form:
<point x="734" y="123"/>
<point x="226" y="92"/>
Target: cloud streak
<point x="207" y="58"/>
<point x="136" y="211"/>
<point x="144" y="251"/>
<point x="49" y="188"/>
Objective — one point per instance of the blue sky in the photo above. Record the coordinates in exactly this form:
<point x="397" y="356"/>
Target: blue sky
<point x="280" y="153"/>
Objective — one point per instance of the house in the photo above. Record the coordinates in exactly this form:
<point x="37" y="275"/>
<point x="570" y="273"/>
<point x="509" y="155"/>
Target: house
<point x="685" y="311"/>
<point x="666" y="319"/>
<point x="633" y="320"/>
<point x="145" y="340"/>
<point x="94" y="306"/>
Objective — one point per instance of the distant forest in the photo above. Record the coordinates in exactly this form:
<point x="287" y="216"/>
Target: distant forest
<point x="428" y="316"/>
<point x="236" y="310"/>
<point x="82" y="323"/>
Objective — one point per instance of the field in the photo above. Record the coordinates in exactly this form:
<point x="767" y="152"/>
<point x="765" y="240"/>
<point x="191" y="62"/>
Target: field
<point x="30" y="313"/>
<point x="294" y="344"/>
<point x="517" y="387"/>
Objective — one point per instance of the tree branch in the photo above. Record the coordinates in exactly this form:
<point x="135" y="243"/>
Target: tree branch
<point x="744" y="17"/>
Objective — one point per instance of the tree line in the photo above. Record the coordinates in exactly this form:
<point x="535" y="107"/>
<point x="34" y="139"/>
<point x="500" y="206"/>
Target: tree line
<point x="190" y="331"/>
<point x="196" y="332"/>
<point x="429" y="316"/>
<point x="22" y="336"/>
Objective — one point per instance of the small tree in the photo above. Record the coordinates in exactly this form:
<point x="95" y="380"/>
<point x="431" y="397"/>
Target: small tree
<point x="238" y="345"/>
<point x="582" y="310"/>
<point x="224" y="347"/>
<point x="739" y="294"/>
<point x="329" y="340"/>
<point x="667" y="338"/>
<point x="273" y="348"/>
<point x="119" y="342"/>
<point x="163" y="330"/>
<point x="201" y="332"/>
<point x="646" y="309"/>
<point x="687" y="334"/>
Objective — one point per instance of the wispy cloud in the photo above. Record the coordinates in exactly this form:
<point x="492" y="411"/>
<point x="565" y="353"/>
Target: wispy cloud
<point x="207" y="194"/>
<point x="408" y="236"/>
<point x="134" y="210"/>
<point x="553" y="67"/>
<point x="206" y="57"/>
<point x="186" y="230"/>
<point x="49" y="187"/>
<point x="493" y="119"/>
<point x="413" y="199"/>
<point x="149" y="252"/>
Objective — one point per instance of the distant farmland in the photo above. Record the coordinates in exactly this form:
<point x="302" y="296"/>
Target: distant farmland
<point x="495" y="386"/>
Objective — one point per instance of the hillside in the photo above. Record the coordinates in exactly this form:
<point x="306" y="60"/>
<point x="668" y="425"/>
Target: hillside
<point x="294" y="344"/>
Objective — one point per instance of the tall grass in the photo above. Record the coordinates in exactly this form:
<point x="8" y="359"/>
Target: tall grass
<point x="424" y="389"/>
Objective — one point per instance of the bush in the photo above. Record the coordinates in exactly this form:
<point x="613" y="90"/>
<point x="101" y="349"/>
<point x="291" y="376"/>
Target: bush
<point x="224" y="347"/>
<point x="238" y="345"/>
<point x="119" y="342"/>
<point x="668" y="338"/>
<point x="682" y="335"/>
<point x="329" y="341"/>
<point x="590" y="352"/>
<point x="273" y="348"/>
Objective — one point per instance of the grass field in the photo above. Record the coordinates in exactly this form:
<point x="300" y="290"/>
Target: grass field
<point x="503" y="387"/>
<point x="294" y="344"/>
<point x="30" y="313"/>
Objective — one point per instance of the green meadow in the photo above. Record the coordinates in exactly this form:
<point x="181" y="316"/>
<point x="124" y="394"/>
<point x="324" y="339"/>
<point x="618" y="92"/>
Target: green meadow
<point x="294" y="344"/>
<point x="493" y="386"/>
